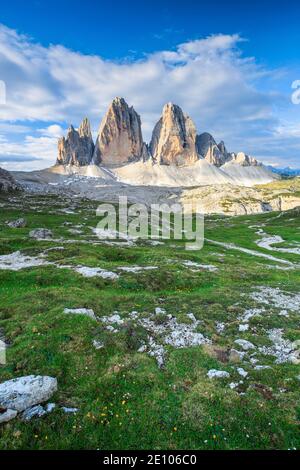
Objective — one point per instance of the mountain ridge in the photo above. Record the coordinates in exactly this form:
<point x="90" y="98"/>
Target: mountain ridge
<point x="120" y="141"/>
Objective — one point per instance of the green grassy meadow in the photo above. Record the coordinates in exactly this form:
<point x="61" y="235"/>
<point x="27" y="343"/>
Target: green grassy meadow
<point x="124" y="400"/>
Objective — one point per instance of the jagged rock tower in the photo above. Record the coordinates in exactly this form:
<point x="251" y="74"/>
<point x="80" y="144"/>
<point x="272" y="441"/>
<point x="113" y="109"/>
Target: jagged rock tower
<point x="207" y="148"/>
<point x="174" y="138"/>
<point x="120" y="137"/>
<point x="78" y="147"/>
<point x="120" y="141"/>
<point x="244" y="160"/>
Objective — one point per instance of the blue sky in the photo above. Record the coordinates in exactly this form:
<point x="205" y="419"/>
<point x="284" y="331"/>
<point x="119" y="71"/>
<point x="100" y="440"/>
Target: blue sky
<point x="229" y="65"/>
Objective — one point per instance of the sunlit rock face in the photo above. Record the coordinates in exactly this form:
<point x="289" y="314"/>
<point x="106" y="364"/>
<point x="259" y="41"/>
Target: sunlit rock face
<point x="120" y="137"/>
<point x="174" y="141"/>
<point x="77" y="147"/>
<point x="174" y="138"/>
<point x="244" y="160"/>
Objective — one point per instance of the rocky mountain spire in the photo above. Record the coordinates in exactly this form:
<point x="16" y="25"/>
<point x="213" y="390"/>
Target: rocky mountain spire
<point x="77" y="147"/>
<point x="120" y="136"/>
<point x="86" y="140"/>
<point x="84" y="129"/>
<point x="222" y="148"/>
<point x="207" y="148"/>
<point x="244" y="160"/>
<point x="173" y="139"/>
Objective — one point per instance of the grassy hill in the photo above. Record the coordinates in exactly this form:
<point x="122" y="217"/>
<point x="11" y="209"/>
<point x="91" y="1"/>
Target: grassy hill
<point x="124" y="399"/>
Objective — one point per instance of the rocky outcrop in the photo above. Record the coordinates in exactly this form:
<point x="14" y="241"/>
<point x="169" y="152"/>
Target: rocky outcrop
<point x="207" y="148"/>
<point x="232" y="200"/>
<point x="244" y="160"/>
<point x="217" y="154"/>
<point x="8" y="182"/>
<point x="86" y="140"/>
<point x="19" y="394"/>
<point x="174" y="138"/>
<point x="222" y="148"/>
<point x="174" y="141"/>
<point x="18" y="223"/>
<point x="78" y="147"/>
<point x="41" y="234"/>
<point x="120" y="137"/>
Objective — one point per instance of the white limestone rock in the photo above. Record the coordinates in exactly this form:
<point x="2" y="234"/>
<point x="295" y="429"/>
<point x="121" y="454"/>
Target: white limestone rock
<point x="244" y="160"/>
<point x="25" y="392"/>
<point x="242" y="372"/>
<point x="40" y="233"/>
<point x="95" y="272"/>
<point x="245" y="345"/>
<point x="8" y="415"/>
<point x="88" y="312"/>
<point x="17" y="261"/>
<point x="18" y="223"/>
<point x="218" y="374"/>
<point x="35" y="412"/>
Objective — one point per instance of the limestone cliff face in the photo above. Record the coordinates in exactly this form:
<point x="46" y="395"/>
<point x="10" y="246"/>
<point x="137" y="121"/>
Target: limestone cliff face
<point x="222" y="148"/>
<point x="86" y="141"/>
<point x="78" y="147"/>
<point x="174" y="138"/>
<point x="217" y="154"/>
<point x="174" y="141"/>
<point x="207" y="148"/>
<point x="120" y="137"/>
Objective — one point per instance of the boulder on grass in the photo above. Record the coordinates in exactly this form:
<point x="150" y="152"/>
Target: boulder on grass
<point x="25" y="392"/>
<point x="40" y="233"/>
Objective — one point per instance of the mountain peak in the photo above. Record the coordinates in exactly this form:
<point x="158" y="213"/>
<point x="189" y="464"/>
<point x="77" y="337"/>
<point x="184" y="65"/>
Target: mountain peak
<point x="120" y="135"/>
<point x="78" y="147"/>
<point x="173" y="139"/>
<point x="118" y="100"/>
<point x="207" y="148"/>
<point x="84" y="129"/>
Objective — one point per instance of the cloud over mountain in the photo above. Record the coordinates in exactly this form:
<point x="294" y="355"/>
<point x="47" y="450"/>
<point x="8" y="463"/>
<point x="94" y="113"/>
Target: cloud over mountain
<point x="224" y="92"/>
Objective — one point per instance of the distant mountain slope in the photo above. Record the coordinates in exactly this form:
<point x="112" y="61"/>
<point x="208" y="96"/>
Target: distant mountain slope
<point x="249" y="175"/>
<point x="105" y="185"/>
<point x="200" y="173"/>
<point x="288" y="172"/>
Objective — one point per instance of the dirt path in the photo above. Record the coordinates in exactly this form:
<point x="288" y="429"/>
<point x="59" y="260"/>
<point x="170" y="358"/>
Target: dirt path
<point x="232" y="246"/>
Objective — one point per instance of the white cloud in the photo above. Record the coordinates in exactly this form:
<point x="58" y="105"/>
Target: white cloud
<point x="54" y="130"/>
<point x="31" y="153"/>
<point x="209" y="78"/>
